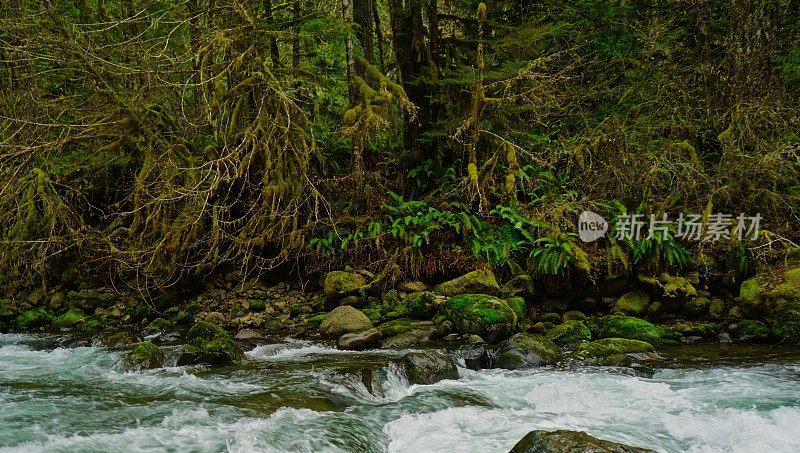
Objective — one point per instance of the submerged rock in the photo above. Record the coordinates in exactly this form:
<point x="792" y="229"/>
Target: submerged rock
<point x="145" y="356"/>
<point x="210" y="344"/>
<point x="344" y="319"/>
<point x="481" y="281"/>
<point x="485" y="315"/>
<point x="359" y="341"/>
<point x="428" y="367"/>
<point x="569" y="441"/>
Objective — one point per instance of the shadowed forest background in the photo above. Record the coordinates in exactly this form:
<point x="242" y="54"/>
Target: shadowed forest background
<point x="153" y="143"/>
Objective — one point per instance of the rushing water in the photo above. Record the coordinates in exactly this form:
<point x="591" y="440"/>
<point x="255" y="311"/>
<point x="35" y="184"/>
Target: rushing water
<point x="300" y="396"/>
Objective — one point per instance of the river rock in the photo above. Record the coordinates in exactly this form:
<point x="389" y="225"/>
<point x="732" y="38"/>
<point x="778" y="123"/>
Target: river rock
<point x="616" y="326"/>
<point x="344" y="319"/>
<point x="71" y="318"/>
<point x="428" y="367"/>
<point x="420" y="305"/>
<point x="412" y="287"/>
<point x="485" y="315"/>
<point x="525" y="350"/>
<point x="633" y="303"/>
<point x="608" y="347"/>
<point x="570" y="332"/>
<point x="209" y="344"/>
<point x="569" y="441"/>
<point x="144" y="356"/>
<point x="359" y="341"/>
<point x="340" y="284"/>
<point x="89" y="300"/>
<point x="406" y="340"/>
<point x="480" y="281"/>
<point x="30" y="319"/>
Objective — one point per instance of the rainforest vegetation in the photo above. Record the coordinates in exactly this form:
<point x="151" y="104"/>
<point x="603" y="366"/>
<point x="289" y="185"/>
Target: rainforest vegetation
<point x="152" y="143"/>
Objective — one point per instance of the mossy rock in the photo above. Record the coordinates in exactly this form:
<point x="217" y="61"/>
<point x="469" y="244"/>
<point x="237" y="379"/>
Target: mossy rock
<point x="7" y="311"/>
<point x="716" y="309"/>
<point x="485" y="315"/>
<point x="159" y="325"/>
<point x="316" y="319"/>
<point x="420" y="305"/>
<point x="396" y="327"/>
<point x="520" y="285"/>
<point x="424" y="368"/>
<point x="95" y="323"/>
<point x="574" y="315"/>
<point x="31" y="319"/>
<point x="677" y="286"/>
<point x="89" y="301"/>
<point x="525" y="350"/>
<point x="185" y="316"/>
<point x="610" y="346"/>
<point x="570" y="332"/>
<point x="786" y="320"/>
<point x="344" y="319"/>
<point x="144" y="356"/>
<point x="751" y="294"/>
<point x="481" y="281"/>
<point x="616" y="360"/>
<point x="374" y="314"/>
<point x="632" y="303"/>
<point x="616" y="326"/>
<point x="71" y="318"/>
<point x="697" y="329"/>
<point x="210" y="344"/>
<point x="119" y="338"/>
<point x="696" y="307"/>
<point x="749" y="330"/>
<point x="257" y="305"/>
<point x="340" y="284"/>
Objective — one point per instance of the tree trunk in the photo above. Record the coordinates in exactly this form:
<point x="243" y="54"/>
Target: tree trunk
<point x="274" y="52"/>
<point x="352" y="90"/>
<point x="751" y="45"/>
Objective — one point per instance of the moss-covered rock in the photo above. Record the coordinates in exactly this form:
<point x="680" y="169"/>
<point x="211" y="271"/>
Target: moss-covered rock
<point x="716" y="309"/>
<point x="424" y="368"/>
<point x="420" y="305"/>
<point x="609" y="346"/>
<point x="569" y="441"/>
<point x="751" y="295"/>
<point x="396" y="327"/>
<point x="210" y="344"/>
<point x="144" y="356"/>
<point x="95" y="323"/>
<point x="520" y="285"/>
<point x="374" y="314"/>
<point x="481" y="281"/>
<point x="697" y="329"/>
<point x="159" y="325"/>
<point x="632" y="303"/>
<point x="526" y="350"/>
<point x="570" y="332"/>
<point x="786" y="320"/>
<point x="31" y="319"/>
<point x="257" y="305"/>
<point x="629" y="327"/>
<point x="71" y="318"/>
<point x="677" y="286"/>
<point x="119" y="338"/>
<point x="316" y="320"/>
<point x="574" y="315"/>
<point x="89" y="301"/>
<point x="482" y="314"/>
<point x="7" y="311"/>
<point x="339" y="284"/>
<point x="696" y="307"/>
<point x="344" y="319"/>
<point x="749" y="330"/>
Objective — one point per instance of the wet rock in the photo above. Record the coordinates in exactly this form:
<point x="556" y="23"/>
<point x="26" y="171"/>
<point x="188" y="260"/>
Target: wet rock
<point x="570" y="332"/>
<point x="569" y="441"/>
<point x="120" y="338"/>
<point x="481" y="314"/>
<point x="480" y="281"/>
<point x="616" y="326"/>
<point x="30" y="319"/>
<point x="144" y="356"/>
<point x="249" y="335"/>
<point x="344" y="319"/>
<point x="610" y="346"/>
<point x="340" y="284"/>
<point x="525" y="350"/>
<point x="360" y="340"/>
<point x="412" y="287"/>
<point x="477" y="358"/>
<point x="71" y="318"/>
<point x="209" y="344"/>
<point x="406" y="340"/>
<point x="725" y="337"/>
<point x="428" y="367"/>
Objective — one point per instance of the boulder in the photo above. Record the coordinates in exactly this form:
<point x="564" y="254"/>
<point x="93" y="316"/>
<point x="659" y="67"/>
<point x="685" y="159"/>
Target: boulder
<point x="396" y="327"/>
<point x="610" y="346"/>
<point x="89" y="301"/>
<point x="785" y="297"/>
<point x="420" y="305"/>
<point x="520" y="285"/>
<point x="615" y="326"/>
<point x="31" y="319"/>
<point x="525" y="350"/>
<point x="574" y="315"/>
<point x="209" y="344"/>
<point x="569" y="441"/>
<point x="748" y="330"/>
<point x="71" y="318"/>
<point x="144" y="356"/>
<point x="340" y="284"/>
<point x="481" y="281"/>
<point x="632" y="303"/>
<point x="751" y="297"/>
<point x="360" y="340"/>
<point x="716" y="309"/>
<point x="344" y="319"/>
<point x="406" y="340"/>
<point x="570" y="332"/>
<point x="485" y="315"/>
<point x="412" y="287"/>
<point x="428" y="367"/>
<point x="696" y="307"/>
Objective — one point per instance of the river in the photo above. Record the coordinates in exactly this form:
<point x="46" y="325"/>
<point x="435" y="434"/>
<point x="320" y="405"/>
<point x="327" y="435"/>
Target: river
<point x="302" y="396"/>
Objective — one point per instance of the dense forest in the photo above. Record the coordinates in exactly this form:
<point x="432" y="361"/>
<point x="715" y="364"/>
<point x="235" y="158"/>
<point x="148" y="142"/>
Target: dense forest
<point x="150" y="143"/>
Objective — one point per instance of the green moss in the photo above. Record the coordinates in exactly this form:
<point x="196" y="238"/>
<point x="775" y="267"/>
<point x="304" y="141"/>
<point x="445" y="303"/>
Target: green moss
<point x="29" y="319"/>
<point x="96" y="323"/>
<point x="574" y="315"/>
<point x="610" y="346"/>
<point x="420" y="305"/>
<point x="145" y="356"/>
<point x="629" y="327"/>
<point x="481" y="281"/>
<point x="699" y="329"/>
<point x="339" y="284"/>
<point x="519" y="307"/>
<point x="717" y="308"/>
<point x="633" y="303"/>
<point x="537" y="344"/>
<point x="786" y="320"/>
<point x="482" y="314"/>
<point x="676" y="286"/>
<point x="70" y="318"/>
<point x="210" y="343"/>
<point x="696" y="307"/>
<point x="89" y="300"/>
<point x="159" y="324"/>
<point x="520" y="285"/>
<point x="7" y="311"/>
<point x="295" y="310"/>
<point x="396" y="327"/>
<point x="569" y="333"/>
<point x="752" y="330"/>
<point x="752" y="297"/>
<point x="257" y="305"/>
<point x="374" y="314"/>
<point x="316" y="319"/>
